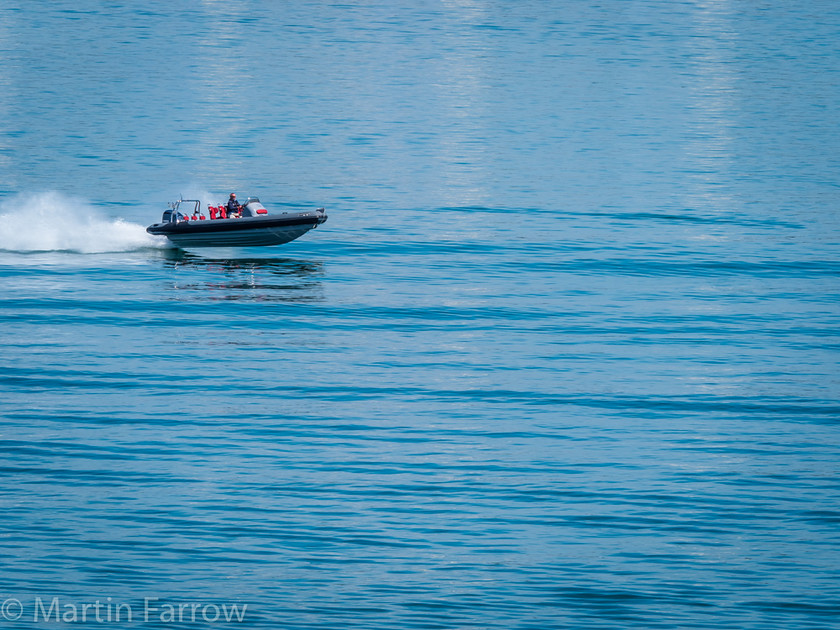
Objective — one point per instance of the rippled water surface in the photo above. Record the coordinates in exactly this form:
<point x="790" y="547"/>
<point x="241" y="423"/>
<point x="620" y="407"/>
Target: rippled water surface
<point x="565" y="354"/>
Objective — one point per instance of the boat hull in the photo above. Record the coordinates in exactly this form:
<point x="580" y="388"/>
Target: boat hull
<point x="244" y="232"/>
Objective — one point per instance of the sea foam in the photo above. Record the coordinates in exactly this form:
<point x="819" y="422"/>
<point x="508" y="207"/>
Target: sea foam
<point x="52" y="221"/>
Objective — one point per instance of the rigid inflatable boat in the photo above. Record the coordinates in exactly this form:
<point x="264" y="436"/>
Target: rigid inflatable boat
<point x="185" y="225"/>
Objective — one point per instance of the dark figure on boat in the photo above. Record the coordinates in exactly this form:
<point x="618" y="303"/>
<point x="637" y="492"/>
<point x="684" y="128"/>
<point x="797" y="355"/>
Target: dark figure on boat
<point x="234" y="209"/>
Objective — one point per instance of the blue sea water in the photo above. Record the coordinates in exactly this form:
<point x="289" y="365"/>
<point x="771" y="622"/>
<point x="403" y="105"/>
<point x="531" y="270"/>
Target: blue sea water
<point x="565" y="354"/>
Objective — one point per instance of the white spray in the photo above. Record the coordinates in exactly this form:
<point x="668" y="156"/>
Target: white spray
<point x="55" y="222"/>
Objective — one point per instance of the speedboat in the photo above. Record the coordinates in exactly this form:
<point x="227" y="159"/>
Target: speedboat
<point x="185" y="225"/>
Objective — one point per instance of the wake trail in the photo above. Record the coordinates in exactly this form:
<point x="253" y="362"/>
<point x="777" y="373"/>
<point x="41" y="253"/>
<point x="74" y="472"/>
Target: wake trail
<point x="51" y="221"/>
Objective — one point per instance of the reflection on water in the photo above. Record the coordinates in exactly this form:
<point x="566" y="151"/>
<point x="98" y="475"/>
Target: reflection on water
<point x="244" y="279"/>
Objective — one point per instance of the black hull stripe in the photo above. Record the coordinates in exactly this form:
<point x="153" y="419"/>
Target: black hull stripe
<point x="227" y="225"/>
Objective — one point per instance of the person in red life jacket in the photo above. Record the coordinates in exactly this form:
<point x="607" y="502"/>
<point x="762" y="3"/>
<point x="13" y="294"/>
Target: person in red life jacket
<point x="234" y="209"/>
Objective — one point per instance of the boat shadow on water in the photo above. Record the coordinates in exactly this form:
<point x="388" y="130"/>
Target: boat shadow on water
<point x="246" y="279"/>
